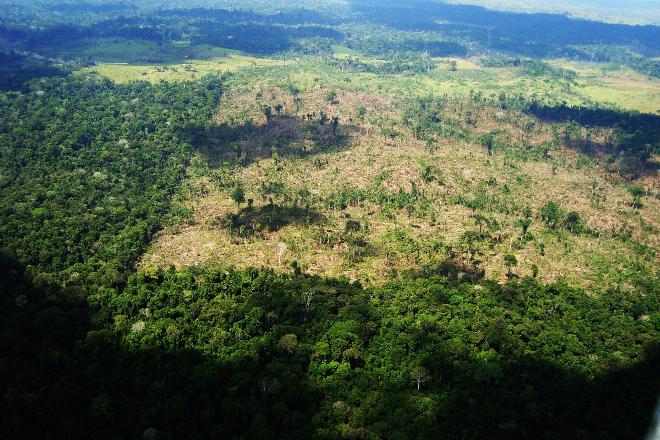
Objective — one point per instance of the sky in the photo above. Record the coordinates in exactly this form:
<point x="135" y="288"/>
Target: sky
<point x="616" y="11"/>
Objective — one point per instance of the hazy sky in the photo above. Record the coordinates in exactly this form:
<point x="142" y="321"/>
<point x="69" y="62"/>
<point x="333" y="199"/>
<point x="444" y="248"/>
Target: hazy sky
<point x="618" y="4"/>
<point x="630" y="11"/>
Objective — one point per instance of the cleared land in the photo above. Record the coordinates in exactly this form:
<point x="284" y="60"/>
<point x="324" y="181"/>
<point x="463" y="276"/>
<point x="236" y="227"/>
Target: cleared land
<point x="375" y="240"/>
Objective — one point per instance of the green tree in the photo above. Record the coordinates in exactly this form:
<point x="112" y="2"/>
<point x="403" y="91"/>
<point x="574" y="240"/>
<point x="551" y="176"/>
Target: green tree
<point x="268" y="113"/>
<point x="535" y="271"/>
<point x="573" y="222"/>
<point x="352" y="226"/>
<point x="330" y="97"/>
<point x="334" y="123"/>
<point x="637" y="192"/>
<point x="487" y="141"/>
<point x="272" y="189"/>
<point x="420" y="376"/>
<point x="323" y="118"/>
<point x="361" y="113"/>
<point x="510" y="261"/>
<point x="524" y="224"/>
<point x="552" y="215"/>
<point x="238" y="195"/>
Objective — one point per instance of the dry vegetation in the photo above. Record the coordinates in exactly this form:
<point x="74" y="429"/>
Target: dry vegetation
<point x="373" y="150"/>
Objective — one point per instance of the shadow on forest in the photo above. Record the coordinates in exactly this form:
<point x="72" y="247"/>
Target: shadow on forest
<point x="286" y="17"/>
<point x="636" y="135"/>
<point x="252" y="220"/>
<point x="251" y="32"/>
<point x="521" y="398"/>
<point x="454" y="269"/>
<point x="283" y="135"/>
<point x="17" y="70"/>
<point x="63" y="378"/>
<point x="609" y="118"/>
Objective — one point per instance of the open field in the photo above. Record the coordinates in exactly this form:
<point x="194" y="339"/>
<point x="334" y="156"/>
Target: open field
<point x="230" y="62"/>
<point x="611" y="84"/>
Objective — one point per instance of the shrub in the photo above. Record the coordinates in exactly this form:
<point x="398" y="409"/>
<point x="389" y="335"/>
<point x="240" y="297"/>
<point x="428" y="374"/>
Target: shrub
<point x="331" y="97"/>
<point x="573" y="222"/>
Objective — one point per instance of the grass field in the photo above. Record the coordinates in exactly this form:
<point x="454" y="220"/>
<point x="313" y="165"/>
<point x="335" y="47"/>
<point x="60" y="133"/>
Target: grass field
<point x="229" y="61"/>
<point x="614" y="85"/>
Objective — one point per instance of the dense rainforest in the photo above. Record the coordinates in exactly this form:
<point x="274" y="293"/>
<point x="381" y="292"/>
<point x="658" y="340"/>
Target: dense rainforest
<point x="225" y="354"/>
<point x="94" y="342"/>
<point x="90" y="172"/>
